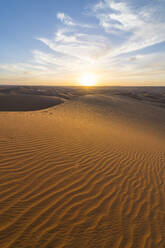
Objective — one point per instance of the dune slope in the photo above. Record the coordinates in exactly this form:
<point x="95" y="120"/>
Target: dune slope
<point x="76" y="176"/>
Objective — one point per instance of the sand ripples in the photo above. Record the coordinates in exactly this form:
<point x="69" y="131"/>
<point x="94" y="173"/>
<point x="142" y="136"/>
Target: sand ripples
<point x="81" y="188"/>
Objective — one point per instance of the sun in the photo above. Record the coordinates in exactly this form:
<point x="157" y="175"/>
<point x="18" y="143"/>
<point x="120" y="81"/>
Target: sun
<point x="88" y="80"/>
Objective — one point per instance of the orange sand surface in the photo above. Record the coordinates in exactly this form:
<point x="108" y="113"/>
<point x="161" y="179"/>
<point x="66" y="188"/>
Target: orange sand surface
<point x="74" y="176"/>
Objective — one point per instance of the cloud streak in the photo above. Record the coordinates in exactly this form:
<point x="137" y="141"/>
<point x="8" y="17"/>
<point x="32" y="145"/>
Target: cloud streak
<point x="138" y="29"/>
<point x="67" y="20"/>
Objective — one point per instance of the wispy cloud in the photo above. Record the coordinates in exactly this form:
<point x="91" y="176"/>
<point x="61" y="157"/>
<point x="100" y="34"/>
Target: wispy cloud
<point x="137" y="28"/>
<point x="21" y="67"/>
<point x="65" y="19"/>
<point x="83" y="46"/>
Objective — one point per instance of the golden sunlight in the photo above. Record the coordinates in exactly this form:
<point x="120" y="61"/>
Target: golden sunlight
<point x="88" y="80"/>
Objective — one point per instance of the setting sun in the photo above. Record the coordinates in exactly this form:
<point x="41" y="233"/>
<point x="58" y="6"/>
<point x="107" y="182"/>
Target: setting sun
<point x="88" y="80"/>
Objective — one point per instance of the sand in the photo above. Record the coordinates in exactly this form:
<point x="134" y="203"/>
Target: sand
<point x="89" y="172"/>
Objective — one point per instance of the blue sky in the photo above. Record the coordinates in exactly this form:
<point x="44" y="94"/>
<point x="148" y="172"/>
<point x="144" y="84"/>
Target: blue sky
<point x="59" y="41"/>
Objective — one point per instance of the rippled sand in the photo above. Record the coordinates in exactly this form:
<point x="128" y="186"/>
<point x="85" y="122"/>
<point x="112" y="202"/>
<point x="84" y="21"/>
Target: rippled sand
<point x="83" y="174"/>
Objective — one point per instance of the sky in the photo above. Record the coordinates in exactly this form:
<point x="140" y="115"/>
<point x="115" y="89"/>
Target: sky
<point x="58" y="42"/>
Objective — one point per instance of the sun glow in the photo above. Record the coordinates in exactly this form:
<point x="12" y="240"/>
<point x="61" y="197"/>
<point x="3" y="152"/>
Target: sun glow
<point x="88" y="80"/>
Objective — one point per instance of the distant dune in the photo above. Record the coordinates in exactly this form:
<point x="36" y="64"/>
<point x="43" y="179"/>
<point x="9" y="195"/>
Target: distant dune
<point x="86" y="173"/>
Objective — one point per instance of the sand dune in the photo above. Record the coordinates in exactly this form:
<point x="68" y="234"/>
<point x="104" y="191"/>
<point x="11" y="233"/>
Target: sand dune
<point x="86" y="173"/>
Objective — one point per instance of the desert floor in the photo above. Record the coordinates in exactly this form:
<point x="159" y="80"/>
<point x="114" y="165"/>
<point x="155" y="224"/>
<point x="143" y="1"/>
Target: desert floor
<point x="87" y="172"/>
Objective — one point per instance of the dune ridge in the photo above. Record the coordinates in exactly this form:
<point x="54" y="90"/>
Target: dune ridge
<point x="73" y="176"/>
